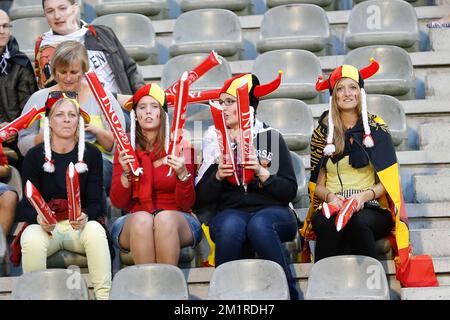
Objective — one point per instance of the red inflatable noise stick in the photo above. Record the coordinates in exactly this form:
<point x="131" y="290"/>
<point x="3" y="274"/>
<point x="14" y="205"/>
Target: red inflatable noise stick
<point x="39" y="204"/>
<point x="346" y="213"/>
<point x="112" y="119"/>
<point x="20" y="123"/>
<point x="73" y="193"/>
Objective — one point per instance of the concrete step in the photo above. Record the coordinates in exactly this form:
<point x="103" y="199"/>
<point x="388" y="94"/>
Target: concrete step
<point x="440" y="39"/>
<point x="434" y="136"/>
<point x="432" y="293"/>
<point x="435" y="242"/>
<point x="432" y="188"/>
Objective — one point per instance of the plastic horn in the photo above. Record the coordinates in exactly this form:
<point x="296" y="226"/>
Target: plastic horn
<point x="112" y="119"/>
<point x="73" y="192"/>
<point x="176" y="132"/>
<point x="39" y="204"/>
<point x="20" y="123"/>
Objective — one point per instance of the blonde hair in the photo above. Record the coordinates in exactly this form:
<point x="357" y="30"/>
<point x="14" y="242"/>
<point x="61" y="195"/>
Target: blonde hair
<point x="339" y="129"/>
<point x="67" y="53"/>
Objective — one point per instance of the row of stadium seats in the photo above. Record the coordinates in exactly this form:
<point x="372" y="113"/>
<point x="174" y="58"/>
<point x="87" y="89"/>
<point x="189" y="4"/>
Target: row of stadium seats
<point x="159" y="8"/>
<point x="342" y="277"/>
<point x="305" y="26"/>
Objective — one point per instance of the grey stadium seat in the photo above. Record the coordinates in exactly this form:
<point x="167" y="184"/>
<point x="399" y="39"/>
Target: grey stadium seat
<point x="145" y="7"/>
<point x="301" y="199"/>
<point x="135" y="32"/>
<point x="328" y="4"/>
<point x="248" y="279"/>
<point x="26" y="31"/>
<point x="4" y="260"/>
<point x="293" y="118"/>
<point x="15" y="181"/>
<point x="50" y="284"/>
<point x="379" y="22"/>
<point x="300" y="70"/>
<point x="149" y="282"/>
<point x="64" y="258"/>
<point x="26" y="9"/>
<point x="305" y="26"/>
<point x="347" y="278"/>
<point x="396" y="74"/>
<point x="223" y="33"/>
<point x="213" y="79"/>
<point x="391" y="111"/>
<point x="233" y="5"/>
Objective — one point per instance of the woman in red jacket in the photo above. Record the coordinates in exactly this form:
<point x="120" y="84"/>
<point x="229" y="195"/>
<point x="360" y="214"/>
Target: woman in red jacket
<point x="159" y="220"/>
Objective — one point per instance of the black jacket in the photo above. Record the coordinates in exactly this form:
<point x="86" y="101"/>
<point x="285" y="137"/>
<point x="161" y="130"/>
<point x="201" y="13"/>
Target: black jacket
<point x="278" y="190"/>
<point x="18" y="85"/>
<point x="53" y="185"/>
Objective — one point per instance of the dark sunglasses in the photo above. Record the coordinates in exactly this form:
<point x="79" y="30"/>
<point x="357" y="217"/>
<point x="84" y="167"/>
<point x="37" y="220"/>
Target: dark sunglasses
<point x="54" y="96"/>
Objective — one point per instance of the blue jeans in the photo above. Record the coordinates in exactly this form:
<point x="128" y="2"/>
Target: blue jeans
<point x="265" y="229"/>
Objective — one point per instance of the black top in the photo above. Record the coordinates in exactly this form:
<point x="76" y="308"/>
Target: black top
<point x="53" y="185"/>
<point x="278" y="190"/>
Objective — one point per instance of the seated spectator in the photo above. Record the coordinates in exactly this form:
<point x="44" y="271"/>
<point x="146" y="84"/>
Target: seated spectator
<point x="63" y="144"/>
<point x="159" y="219"/>
<point x="70" y="62"/>
<point x="258" y="214"/>
<point x="8" y="196"/>
<point x="115" y="68"/>
<point x="351" y="155"/>
<point x="17" y="82"/>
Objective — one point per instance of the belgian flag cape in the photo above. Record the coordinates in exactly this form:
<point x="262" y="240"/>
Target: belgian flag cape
<point x="384" y="161"/>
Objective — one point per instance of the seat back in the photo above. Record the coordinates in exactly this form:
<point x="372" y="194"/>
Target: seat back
<point x="145" y="7"/>
<point x="302" y="182"/>
<point x="377" y="22"/>
<point x="300" y="71"/>
<point x="135" y="32"/>
<point x="213" y="79"/>
<point x="15" y="181"/>
<point x="293" y="118"/>
<point x="26" y="9"/>
<point x="223" y="33"/>
<point x="50" y="284"/>
<point x="347" y="278"/>
<point x="322" y="3"/>
<point x="391" y="111"/>
<point x="248" y="279"/>
<point x="305" y="26"/>
<point x="4" y="262"/>
<point x="149" y="282"/>
<point x="396" y="74"/>
<point x="26" y="31"/>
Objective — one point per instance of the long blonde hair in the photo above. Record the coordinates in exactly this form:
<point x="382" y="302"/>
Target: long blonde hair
<point x="339" y="129"/>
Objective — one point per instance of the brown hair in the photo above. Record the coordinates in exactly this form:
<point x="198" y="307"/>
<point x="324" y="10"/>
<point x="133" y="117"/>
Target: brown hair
<point x="339" y="129"/>
<point x="69" y="52"/>
<point x="160" y="138"/>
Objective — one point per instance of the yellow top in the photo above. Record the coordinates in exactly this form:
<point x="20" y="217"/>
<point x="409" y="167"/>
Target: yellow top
<point x="356" y="179"/>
